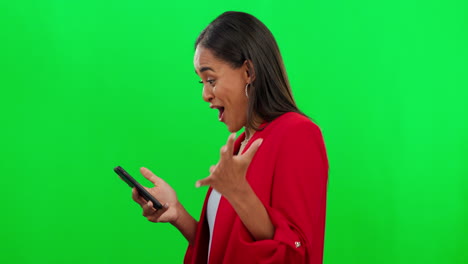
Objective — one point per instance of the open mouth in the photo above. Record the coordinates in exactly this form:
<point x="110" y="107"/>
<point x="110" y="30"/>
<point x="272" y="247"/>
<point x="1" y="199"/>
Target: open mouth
<point x="221" y="113"/>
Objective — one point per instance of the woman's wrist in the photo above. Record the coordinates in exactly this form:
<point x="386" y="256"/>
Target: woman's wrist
<point x="180" y="214"/>
<point x="185" y="223"/>
<point x="243" y="198"/>
<point x="242" y="191"/>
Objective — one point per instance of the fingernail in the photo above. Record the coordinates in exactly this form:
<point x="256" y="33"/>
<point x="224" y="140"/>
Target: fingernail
<point x="197" y="184"/>
<point x="166" y="205"/>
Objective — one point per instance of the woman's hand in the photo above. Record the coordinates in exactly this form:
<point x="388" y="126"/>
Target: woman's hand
<point x="164" y="194"/>
<point x="228" y="176"/>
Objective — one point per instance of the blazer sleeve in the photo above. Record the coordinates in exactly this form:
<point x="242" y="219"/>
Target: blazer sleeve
<point x="298" y="202"/>
<point x="188" y="258"/>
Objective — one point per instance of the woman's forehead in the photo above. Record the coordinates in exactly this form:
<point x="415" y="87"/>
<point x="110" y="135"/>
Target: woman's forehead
<point x="204" y="60"/>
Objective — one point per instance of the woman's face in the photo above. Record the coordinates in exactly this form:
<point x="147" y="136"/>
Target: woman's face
<point x="223" y="88"/>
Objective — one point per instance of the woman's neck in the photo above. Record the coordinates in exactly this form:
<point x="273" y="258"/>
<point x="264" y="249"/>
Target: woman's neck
<point x="249" y="132"/>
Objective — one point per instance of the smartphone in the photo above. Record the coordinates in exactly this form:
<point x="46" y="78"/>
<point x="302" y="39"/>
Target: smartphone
<point x="133" y="183"/>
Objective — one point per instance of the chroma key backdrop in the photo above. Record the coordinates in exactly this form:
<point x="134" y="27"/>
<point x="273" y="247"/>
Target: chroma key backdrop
<point x="89" y="85"/>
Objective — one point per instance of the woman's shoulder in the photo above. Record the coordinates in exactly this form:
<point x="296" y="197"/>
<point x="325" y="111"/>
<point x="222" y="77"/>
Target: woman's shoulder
<point x="293" y="123"/>
<point x="293" y="134"/>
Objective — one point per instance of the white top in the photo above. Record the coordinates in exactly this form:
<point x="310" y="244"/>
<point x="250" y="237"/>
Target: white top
<point x="211" y="210"/>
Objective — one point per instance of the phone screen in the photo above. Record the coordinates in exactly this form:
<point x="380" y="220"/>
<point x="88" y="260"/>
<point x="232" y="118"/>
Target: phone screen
<point x="133" y="183"/>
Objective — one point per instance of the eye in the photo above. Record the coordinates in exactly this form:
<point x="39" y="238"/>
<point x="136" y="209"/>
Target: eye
<point x="211" y="82"/>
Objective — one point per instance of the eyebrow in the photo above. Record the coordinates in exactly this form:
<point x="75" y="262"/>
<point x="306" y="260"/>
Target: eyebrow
<point x="203" y="69"/>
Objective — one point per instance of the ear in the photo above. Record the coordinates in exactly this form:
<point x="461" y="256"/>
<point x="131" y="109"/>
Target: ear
<point x="249" y="71"/>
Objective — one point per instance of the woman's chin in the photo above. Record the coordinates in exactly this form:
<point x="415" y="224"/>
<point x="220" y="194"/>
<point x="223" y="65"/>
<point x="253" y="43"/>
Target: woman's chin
<point x="233" y="128"/>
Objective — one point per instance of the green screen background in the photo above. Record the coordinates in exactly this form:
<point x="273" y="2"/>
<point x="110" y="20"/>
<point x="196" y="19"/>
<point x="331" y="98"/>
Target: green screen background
<point x="88" y="85"/>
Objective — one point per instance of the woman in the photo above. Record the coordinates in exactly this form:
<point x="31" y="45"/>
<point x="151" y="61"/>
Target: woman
<point x="267" y="195"/>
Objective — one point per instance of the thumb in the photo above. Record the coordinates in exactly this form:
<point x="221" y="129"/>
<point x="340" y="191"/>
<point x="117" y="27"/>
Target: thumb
<point x="250" y="153"/>
<point x="150" y="176"/>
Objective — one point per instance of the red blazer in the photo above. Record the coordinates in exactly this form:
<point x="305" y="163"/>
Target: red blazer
<point x="289" y="174"/>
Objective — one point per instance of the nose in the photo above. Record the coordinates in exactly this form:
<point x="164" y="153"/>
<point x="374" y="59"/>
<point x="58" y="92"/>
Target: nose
<point x="207" y="94"/>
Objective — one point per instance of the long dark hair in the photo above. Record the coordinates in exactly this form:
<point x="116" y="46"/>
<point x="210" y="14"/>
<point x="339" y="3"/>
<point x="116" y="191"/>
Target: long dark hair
<point x="235" y="37"/>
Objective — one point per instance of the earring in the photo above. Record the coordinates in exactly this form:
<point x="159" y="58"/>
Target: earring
<point x="246" y="93"/>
